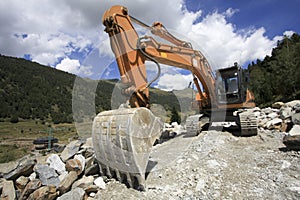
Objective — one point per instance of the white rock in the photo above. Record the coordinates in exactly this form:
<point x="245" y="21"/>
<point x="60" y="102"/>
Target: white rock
<point x="296" y="118"/>
<point x="99" y="182"/>
<point x="56" y="163"/>
<point x="295" y="189"/>
<point x="167" y="125"/>
<point x="179" y="161"/>
<point x="81" y="158"/>
<point x="285" y="112"/>
<point x="276" y="121"/>
<point x="295" y="130"/>
<point x="213" y="164"/>
<point x="92" y="194"/>
<point x="277" y="105"/>
<point x="293" y="103"/>
<point x="32" y="176"/>
<point x="273" y="115"/>
<point x="273" y="122"/>
<point x="174" y="124"/>
<point x="70" y="150"/>
<point x="76" y="194"/>
<point x="84" y="182"/>
<point x="285" y="164"/>
<point x="200" y="185"/>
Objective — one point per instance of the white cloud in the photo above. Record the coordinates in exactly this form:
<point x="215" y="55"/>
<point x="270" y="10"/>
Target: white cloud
<point x="57" y="29"/>
<point x="54" y="29"/>
<point x="223" y="44"/>
<point x="171" y="82"/>
<point x="73" y="66"/>
<point x="288" y="33"/>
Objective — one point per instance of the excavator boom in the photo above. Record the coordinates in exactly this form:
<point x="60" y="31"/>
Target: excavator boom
<point x="123" y="138"/>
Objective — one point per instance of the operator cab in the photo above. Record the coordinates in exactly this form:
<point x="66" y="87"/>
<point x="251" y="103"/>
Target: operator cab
<point x="229" y="83"/>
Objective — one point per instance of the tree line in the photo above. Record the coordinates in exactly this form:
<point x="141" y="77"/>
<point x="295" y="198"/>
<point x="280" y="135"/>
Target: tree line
<point x="29" y="90"/>
<point x="277" y="77"/>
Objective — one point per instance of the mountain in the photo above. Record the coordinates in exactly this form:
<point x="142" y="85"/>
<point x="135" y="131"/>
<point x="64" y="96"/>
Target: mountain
<point x="29" y="90"/>
<point x="277" y="77"/>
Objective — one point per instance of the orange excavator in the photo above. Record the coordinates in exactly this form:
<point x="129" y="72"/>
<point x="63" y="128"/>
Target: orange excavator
<point x="123" y="138"/>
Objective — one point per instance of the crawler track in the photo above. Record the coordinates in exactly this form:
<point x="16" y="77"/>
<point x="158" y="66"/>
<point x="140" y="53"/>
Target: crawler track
<point x="248" y="124"/>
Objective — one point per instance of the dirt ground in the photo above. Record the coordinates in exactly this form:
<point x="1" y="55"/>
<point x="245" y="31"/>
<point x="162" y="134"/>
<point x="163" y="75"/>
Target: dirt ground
<point x="218" y="165"/>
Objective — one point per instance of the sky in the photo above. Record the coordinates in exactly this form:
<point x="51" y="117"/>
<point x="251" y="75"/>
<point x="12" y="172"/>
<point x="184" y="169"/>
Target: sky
<point x="68" y="35"/>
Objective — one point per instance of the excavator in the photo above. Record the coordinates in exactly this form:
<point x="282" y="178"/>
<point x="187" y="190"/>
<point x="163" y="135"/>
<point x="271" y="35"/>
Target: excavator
<point x="123" y="138"/>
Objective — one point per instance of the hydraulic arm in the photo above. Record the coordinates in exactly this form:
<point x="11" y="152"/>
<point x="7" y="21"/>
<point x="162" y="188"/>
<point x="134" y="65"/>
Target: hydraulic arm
<point x="123" y="138"/>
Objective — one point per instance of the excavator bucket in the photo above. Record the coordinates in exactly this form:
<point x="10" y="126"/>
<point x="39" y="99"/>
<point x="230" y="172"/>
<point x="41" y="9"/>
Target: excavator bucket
<point x="122" y="140"/>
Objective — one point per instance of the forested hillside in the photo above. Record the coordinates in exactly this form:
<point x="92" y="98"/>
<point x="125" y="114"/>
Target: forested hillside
<point x="29" y="90"/>
<point x="277" y="77"/>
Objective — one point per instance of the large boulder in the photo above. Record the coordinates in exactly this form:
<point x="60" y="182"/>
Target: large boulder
<point x="99" y="182"/>
<point x="44" y="193"/>
<point x="295" y="130"/>
<point x="30" y="187"/>
<point x="81" y="160"/>
<point x="293" y="103"/>
<point x="278" y="105"/>
<point x="21" y="183"/>
<point x="47" y="175"/>
<point x="67" y="182"/>
<point x="296" y="118"/>
<point x="76" y="194"/>
<point x="71" y="149"/>
<point x="12" y="170"/>
<point x="84" y="182"/>
<point x="285" y="112"/>
<point x="74" y="165"/>
<point x="292" y="142"/>
<point x="8" y="190"/>
<point x="55" y="162"/>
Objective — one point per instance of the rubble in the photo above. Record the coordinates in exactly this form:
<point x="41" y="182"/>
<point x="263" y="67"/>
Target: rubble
<point x="14" y="169"/>
<point x="46" y="174"/>
<point x="281" y="117"/>
<point x="76" y="194"/>
<point x="212" y="165"/>
<point x="8" y="190"/>
<point x="70" y="150"/>
<point x="67" y="182"/>
<point x="30" y="187"/>
<point x="44" y="193"/>
<point x="56" y="163"/>
<point x="21" y="183"/>
<point x="99" y="182"/>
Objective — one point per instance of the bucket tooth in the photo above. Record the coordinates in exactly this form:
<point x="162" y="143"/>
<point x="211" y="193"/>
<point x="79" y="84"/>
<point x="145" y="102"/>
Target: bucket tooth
<point x="122" y="140"/>
<point x="108" y="173"/>
<point x="128" y="180"/>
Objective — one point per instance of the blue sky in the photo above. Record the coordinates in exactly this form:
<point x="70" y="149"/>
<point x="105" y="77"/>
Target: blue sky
<point x="276" y="16"/>
<point x="68" y="35"/>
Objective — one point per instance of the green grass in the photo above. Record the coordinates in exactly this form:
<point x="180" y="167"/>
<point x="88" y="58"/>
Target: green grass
<point x="11" y="152"/>
<point x="16" y="139"/>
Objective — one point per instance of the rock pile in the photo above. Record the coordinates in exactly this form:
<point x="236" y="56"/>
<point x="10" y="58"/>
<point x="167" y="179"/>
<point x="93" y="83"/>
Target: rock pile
<point x="284" y="117"/>
<point x="74" y="174"/>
